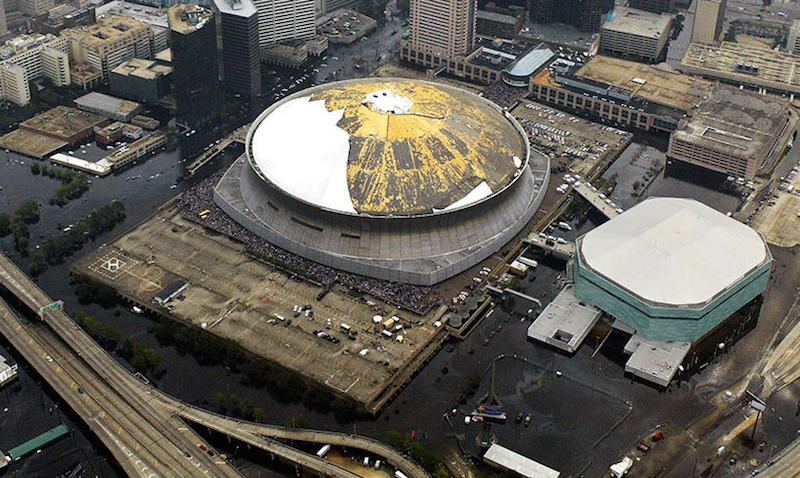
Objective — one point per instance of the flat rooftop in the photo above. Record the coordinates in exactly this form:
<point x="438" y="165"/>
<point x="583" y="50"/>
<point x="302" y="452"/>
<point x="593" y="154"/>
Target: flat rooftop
<point x="109" y="29"/>
<point x="30" y="144"/>
<point x="564" y="322"/>
<point x="152" y="15"/>
<point x="739" y="122"/>
<point x="187" y="18"/>
<point x="673" y="251"/>
<point x="63" y="121"/>
<point x="638" y="22"/>
<point x="239" y="8"/>
<point x="649" y="82"/>
<point x="512" y="461"/>
<point x="655" y="361"/>
<point x="103" y="102"/>
<point x="24" y="43"/>
<point x="496" y="17"/>
<point x="776" y="70"/>
<point x="146" y="69"/>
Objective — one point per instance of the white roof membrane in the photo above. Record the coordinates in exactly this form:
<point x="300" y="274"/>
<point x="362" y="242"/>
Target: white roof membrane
<point x="314" y="168"/>
<point x="673" y="251"/>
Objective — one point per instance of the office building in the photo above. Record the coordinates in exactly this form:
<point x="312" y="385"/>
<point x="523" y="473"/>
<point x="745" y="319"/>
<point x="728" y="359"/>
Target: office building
<point x="241" y="59"/>
<point x="585" y="15"/>
<point x="195" y="72"/>
<point x="733" y="132"/>
<point x="153" y="16"/>
<point x="35" y="7"/>
<point x="655" y="6"/>
<point x="14" y="84"/>
<point x="443" y="28"/>
<point x="113" y="40"/>
<point x="497" y="24"/>
<point x="793" y="41"/>
<point x="708" y="21"/>
<point x="141" y="80"/>
<point x="284" y="20"/>
<point x="636" y="34"/>
<point x="327" y="6"/>
<point x="3" y="24"/>
<point x="55" y="66"/>
<point x="64" y="16"/>
<point x="39" y="56"/>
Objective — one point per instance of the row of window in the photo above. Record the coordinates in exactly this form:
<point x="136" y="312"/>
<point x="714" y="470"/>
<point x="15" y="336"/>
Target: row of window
<point x="457" y="68"/>
<point x="597" y="107"/>
<point x="708" y="157"/>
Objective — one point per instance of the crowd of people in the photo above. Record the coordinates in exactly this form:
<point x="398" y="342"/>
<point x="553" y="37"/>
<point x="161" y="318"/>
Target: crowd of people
<point x="199" y="198"/>
<point x="502" y="94"/>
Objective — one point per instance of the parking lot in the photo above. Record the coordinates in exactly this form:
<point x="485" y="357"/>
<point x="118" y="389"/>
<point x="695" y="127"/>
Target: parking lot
<point x="345" y="340"/>
<point x="347" y="26"/>
<point x="570" y="141"/>
<point x="778" y="217"/>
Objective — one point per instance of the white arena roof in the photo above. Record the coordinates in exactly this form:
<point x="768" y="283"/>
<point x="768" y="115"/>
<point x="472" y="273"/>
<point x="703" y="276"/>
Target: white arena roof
<point x="673" y="251"/>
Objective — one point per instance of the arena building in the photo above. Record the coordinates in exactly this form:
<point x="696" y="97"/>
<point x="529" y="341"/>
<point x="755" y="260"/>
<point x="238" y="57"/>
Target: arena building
<point x="684" y="278"/>
<point x="396" y="179"/>
<point x="672" y="268"/>
<point x="679" y="281"/>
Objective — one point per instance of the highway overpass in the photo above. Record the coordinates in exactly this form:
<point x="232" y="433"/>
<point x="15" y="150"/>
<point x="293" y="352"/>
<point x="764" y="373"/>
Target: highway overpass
<point x="143" y="428"/>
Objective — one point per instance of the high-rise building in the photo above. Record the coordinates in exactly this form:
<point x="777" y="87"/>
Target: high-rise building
<point x="283" y="20"/>
<point x="55" y="65"/>
<point x="3" y="26"/>
<point x="585" y="15"/>
<point x="35" y="7"/>
<point x="38" y="55"/>
<point x="708" y="21"/>
<point x="443" y="27"/>
<point x="153" y="16"/>
<point x="655" y="6"/>
<point x="195" y="72"/>
<point x="241" y="60"/>
<point x="14" y="85"/>
<point x="327" y="6"/>
<point x="793" y="42"/>
<point x="636" y="34"/>
<point x="111" y="41"/>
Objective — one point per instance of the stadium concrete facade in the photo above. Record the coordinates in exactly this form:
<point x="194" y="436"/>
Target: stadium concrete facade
<point x="402" y="180"/>
<point x="674" y="269"/>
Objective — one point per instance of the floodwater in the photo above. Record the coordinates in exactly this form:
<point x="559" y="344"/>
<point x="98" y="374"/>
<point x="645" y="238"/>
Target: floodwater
<point x="571" y="414"/>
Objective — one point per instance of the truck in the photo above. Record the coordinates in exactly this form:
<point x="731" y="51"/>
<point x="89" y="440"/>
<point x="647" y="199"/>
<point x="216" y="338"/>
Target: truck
<point x="324" y="450"/>
<point x="618" y="470"/>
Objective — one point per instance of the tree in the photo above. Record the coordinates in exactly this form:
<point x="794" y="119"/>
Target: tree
<point x="5" y="224"/>
<point x="35" y="168"/>
<point x="28" y="212"/>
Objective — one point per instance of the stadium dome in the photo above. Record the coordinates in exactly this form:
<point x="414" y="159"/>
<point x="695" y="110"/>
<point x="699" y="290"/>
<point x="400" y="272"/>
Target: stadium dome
<point x="672" y="268"/>
<point x="397" y="179"/>
<point x="398" y="148"/>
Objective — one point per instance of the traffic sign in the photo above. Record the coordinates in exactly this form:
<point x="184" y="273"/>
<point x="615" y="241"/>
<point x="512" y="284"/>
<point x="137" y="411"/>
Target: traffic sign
<point x="57" y="305"/>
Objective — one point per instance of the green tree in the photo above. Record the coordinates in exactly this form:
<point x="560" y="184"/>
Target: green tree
<point x="35" y="168"/>
<point x="5" y="224"/>
<point x="28" y="212"/>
